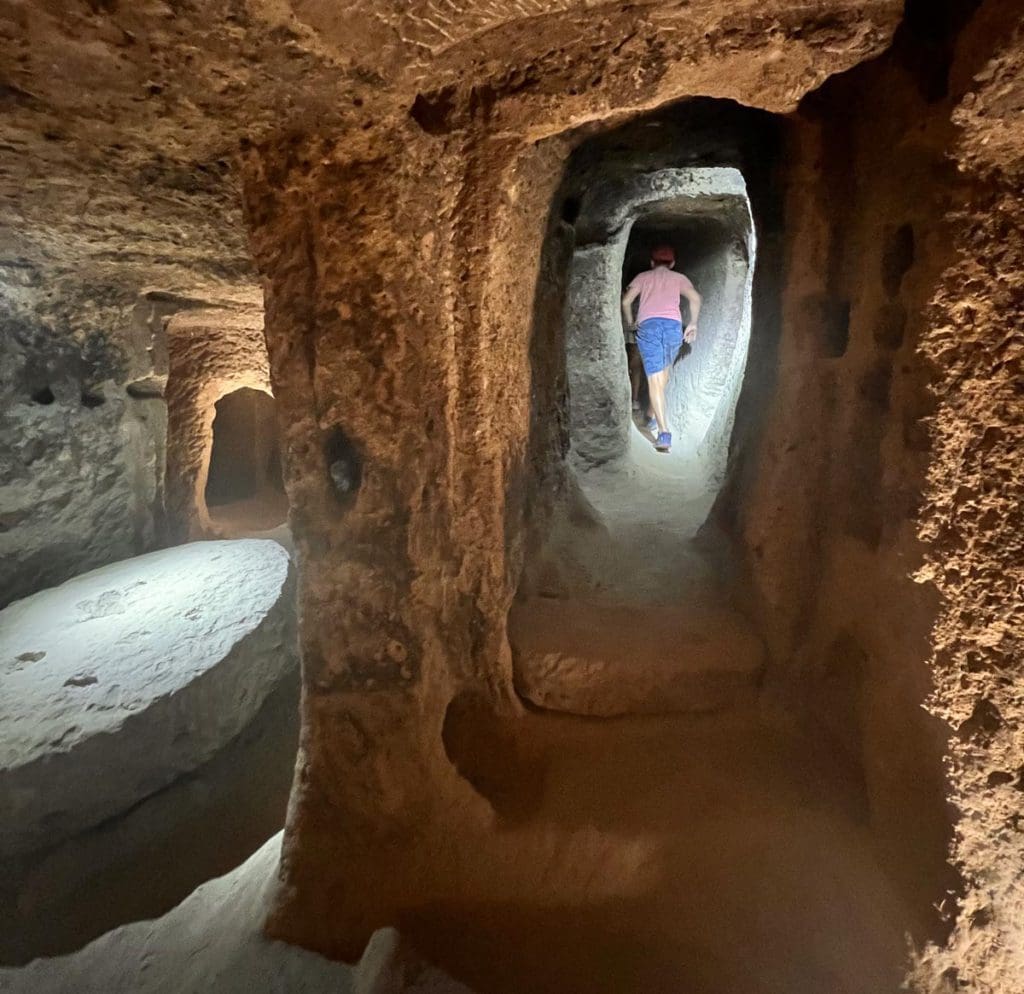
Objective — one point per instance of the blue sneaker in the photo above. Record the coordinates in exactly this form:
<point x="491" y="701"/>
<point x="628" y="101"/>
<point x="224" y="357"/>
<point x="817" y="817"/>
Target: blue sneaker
<point x="651" y="424"/>
<point x="664" y="442"/>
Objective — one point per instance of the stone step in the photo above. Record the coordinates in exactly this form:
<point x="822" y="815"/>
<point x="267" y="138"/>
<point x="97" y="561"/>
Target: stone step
<point x="607" y="659"/>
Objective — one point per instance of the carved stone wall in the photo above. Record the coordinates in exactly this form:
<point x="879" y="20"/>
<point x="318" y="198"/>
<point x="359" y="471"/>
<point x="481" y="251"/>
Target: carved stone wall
<point x="399" y="290"/>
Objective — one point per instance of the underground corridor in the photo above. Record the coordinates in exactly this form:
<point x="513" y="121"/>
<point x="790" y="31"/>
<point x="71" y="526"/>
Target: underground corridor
<point x="639" y="558"/>
<point x="635" y="603"/>
<point x="354" y="633"/>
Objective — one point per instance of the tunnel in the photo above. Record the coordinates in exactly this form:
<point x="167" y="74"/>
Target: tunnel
<point x="355" y="633"/>
<point x="222" y="463"/>
<point x="630" y="538"/>
<point x="705" y="215"/>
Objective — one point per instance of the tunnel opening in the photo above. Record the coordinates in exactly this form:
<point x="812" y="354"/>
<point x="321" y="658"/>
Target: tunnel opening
<point x="715" y="248"/>
<point x="632" y="537"/>
<point x="223" y="474"/>
<point x="704" y="214"/>
<point x="244" y="490"/>
<point x="658" y="593"/>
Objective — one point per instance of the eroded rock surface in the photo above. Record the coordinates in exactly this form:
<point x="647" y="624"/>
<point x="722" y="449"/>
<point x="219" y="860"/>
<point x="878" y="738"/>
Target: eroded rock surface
<point x="400" y="165"/>
<point x="213" y="941"/>
<point x="971" y="521"/>
<point x="117" y="682"/>
<point x="81" y="450"/>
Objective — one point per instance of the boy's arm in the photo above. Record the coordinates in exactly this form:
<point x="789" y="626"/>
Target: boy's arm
<point x="694" y="300"/>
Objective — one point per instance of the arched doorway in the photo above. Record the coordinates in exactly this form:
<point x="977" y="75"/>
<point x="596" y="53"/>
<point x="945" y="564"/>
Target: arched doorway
<point x="244" y="491"/>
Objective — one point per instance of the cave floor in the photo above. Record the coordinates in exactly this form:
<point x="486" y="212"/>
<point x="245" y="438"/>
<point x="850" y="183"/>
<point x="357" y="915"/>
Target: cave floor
<point x="652" y="506"/>
<point x="759" y="869"/>
<point x="758" y="873"/>
<point x="262" y="516"/>
<point x="637" y="609"/>
<point x="733" y="859"/>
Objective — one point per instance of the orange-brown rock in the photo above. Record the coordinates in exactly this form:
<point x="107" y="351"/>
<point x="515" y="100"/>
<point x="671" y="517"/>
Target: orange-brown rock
<point x="403" y="182"/>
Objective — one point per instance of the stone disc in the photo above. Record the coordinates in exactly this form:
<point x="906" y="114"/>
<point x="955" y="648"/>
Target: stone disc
<point x="120" y="680"/>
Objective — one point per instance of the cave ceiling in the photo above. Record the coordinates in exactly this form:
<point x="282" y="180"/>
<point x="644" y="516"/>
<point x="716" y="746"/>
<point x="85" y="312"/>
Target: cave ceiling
<point x="122" y="122"/>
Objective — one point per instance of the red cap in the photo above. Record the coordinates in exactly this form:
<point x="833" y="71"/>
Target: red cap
<point x="663" y="253"/>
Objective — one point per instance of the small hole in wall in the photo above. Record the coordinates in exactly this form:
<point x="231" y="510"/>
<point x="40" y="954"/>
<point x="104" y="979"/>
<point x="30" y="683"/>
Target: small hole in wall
<point x="91" y="400"/>
<point x="570" y="209"/>
<point x="43" y="396"/>
<point x="874" y="386"/>
<point x="433" y="112"/>
<point x="344" y="466"/>
<point x="890" y="326"/>
<point x="999" y="778"/>
<point x="982" y="725"/>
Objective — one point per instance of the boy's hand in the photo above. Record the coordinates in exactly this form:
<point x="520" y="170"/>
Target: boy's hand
<point x="690" y="334"/>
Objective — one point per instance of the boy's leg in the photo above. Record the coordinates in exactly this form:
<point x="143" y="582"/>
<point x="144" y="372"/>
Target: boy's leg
<point x="656" y="383"/>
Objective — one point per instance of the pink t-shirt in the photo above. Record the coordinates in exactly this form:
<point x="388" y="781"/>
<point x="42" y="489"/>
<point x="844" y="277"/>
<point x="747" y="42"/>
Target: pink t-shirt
<point x="660" y="289"/>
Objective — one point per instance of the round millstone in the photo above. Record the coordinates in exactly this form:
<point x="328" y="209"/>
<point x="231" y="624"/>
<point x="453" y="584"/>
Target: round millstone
<point x="121" y="680"/>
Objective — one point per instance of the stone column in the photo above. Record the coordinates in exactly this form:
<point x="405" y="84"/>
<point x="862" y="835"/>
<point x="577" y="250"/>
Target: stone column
<point x="397" y="321"/>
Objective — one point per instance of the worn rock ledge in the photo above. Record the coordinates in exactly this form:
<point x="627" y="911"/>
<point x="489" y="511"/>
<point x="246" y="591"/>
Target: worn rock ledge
<point x="213" y="942"/>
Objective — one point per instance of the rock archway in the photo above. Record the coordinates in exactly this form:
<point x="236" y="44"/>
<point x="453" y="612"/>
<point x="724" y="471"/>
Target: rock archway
<point x="217" y="354"/>
<point x="243" y="489"/>
<point x="404" y="174"/>
<point x="707" y="212"/>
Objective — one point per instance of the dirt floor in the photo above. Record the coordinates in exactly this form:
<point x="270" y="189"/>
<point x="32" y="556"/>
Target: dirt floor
<point x="265" y="513"/>
<point x="762" y="876"/>
<point x="759" y="873"/>
<point x="629" y="608"/>
<point x="631" y="532"/>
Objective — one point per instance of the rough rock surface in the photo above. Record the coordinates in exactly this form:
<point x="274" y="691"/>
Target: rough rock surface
<point x="117" y="682"/>
<point x="81" y="451"/>
<point x="972" y="522"/>
<point x="400" y="327"/>
<point x="212" y="942"/>
<point x="903" y="345"/>
<point x="204" y="824"/>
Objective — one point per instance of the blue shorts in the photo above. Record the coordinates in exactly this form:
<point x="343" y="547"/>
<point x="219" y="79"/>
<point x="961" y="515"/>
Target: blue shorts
<point x="659" y="341"/>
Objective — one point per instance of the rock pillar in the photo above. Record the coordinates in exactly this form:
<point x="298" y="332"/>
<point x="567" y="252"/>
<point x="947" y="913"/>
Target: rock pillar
<point x="398" y="333"/>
